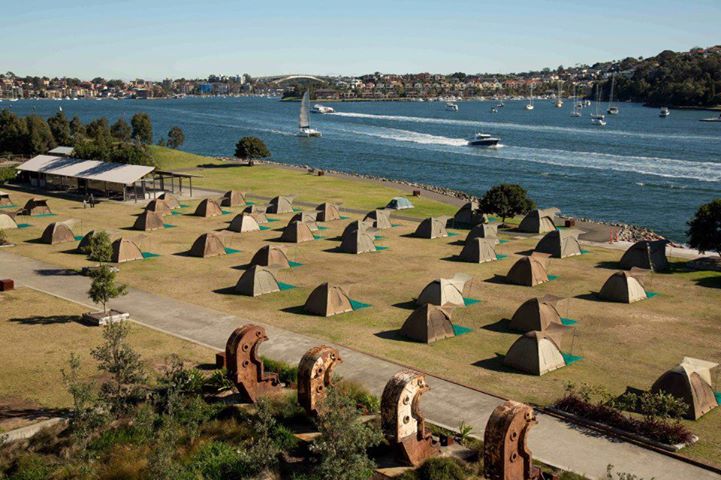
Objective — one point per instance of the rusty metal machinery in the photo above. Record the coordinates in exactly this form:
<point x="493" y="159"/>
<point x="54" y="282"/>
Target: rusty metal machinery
<point x="315" y="375"/>
<point x="505" y="443"/>
<point x="244" y="366"/>
<point x="401" y="418"/>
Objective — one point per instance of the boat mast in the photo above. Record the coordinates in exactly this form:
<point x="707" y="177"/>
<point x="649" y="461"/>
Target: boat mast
<point x="610" y="96"/>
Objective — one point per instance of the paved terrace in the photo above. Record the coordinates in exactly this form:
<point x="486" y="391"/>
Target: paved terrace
<point x="552" y="441"/>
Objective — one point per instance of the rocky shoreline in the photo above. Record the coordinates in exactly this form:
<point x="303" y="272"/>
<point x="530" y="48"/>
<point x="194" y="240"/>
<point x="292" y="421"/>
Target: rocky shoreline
<point x="624" y="232"/>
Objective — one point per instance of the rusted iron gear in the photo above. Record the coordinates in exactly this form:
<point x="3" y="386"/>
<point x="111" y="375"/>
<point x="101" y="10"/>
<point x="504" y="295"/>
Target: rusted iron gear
<point x="315" y="375"/>
<point x="244" y="365"/>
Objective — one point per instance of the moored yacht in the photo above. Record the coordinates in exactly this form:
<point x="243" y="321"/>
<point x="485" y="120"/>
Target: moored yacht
<point x="452" y="107"/>
<point x="483" y="140"/>
<point x="318" y="108"/>
<point x="529" y="105"/>
<point x="664" y="112"/>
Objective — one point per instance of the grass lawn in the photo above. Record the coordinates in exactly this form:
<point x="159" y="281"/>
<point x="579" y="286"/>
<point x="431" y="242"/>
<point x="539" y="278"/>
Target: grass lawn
<point x="621" y="345"/>
<point x="39" y="331"/>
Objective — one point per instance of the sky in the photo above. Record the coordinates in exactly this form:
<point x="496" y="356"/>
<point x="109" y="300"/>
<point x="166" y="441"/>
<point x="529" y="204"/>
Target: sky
<point x="159" y="39"/>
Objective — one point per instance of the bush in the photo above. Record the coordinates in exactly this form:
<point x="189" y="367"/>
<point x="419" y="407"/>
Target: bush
<point x="3" y="237"/>
<point x="218" y="461"/>
<point x="218" y="382"/>
<point x="441" y="468"/>
<point x="363" y="399"/>
<point x="7" y="174"/>
<point x="30" y="467"/>
<point x="287" y="373"/>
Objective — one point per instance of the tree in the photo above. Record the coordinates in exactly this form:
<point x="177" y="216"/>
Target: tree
<point x="704" y="232"/>
<point x="142" y="128"/>
<point x="100" y="250"/>
<point x="13" y="133"/>
<point x="132" y="154"/>
<point x="121" y="130"/>
<point x="506" y="200"/>
<point x="251" y="148"/>
<point x="104" y="286"/>
<point x="60" y="128"/>
<point x="343" y="440"/>
<point x="127" y="372"/>
<point x="176" y="137"/>
<point x="85" y="416"/>
<point x="40" y="139"/>
<point x="77" y="129"/>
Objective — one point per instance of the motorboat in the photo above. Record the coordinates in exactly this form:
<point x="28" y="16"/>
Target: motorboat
<point x="599" y="120"/>
<point x="494" y="110"/>
<point x="318" y="108"/>
<point x="712" y="119"/>
<point x="483" y="140"/>
<point x="612" y="110"/>
<point x="451" y="107"/>
<point x="304" y="129"/>
<point x="664" y="112"/>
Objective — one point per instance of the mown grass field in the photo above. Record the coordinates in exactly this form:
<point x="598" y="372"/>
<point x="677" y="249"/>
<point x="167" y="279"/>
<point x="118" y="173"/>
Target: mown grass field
<point x="621" y="345"/>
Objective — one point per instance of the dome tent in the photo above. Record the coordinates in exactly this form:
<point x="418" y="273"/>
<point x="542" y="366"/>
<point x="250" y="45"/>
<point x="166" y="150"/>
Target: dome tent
<point x="379" y="219"/>
<point x="208" y="208"/>
<point x="5" y="200"/>
<point x="690" y="381"/>
<point x="432" y="227"/>
<point x="484" y="230"/>
<point x="233" y="198"/>
<point x="271" y="256"/>
<point x="208" y="245"/>
<point x="57" y="232"/>
<point x="469" y="215"/>
<point x="399" y="203"/>
<point x="362" y="226"/>
<point x="244" y="222"/>
<point x="560" y="243"/>
<point x="444" y="291"/>
<point x="297" y="232"/>
<point x="529" y="271"/>
<point x="427" y="324"/>
<point x="84" y="245"/>
<point x="257" y="281"/>
<point x="309" y="218"/>
<point x="258" y="213"/>
<point x="327" y="300"/>
<point x="357" y="241"/>
<point x="650" y="255"/>
<point x="622" y="287"/>
<point x="536" y="314"/>
<point x="478" y="250"/>
<point x="159" y="206"/>
<point x="148" y="221"/>
<point x="36" y="206"/>
<point x="538" y="221"/>
<point x="125" y="250"/>
<point x="170" y="200"/>
<point x="536" y="353"/>
<point x="328" y="212"/>
<point x="280" y="205"/>
<point x="7" y="222"/>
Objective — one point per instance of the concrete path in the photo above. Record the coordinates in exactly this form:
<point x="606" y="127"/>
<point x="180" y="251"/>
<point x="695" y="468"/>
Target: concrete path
<point x="552" y="441"/>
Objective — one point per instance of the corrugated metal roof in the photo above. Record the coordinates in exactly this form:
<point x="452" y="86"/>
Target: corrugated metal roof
<point x="67" y="151"/>
<point x="87" y="169"/>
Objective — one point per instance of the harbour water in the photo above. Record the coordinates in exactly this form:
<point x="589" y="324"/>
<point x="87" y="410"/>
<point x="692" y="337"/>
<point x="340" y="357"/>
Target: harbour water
<point x="639" y="169"/>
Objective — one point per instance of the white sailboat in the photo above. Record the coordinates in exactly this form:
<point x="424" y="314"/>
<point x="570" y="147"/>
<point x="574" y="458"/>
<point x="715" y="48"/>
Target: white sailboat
<point x="576" y="105"/>
<point x="559" y="100"/>
<point x="612" y="110"/>
<point x="598" y="118"/>
<point x="529" y="105"/>
<point x="304" y="129"/>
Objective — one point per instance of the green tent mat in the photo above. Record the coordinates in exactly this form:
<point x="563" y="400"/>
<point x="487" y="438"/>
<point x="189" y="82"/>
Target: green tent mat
<point x="294" y="264"/>
<point x="263" y="228"/>
<point x="344" y="218"/>
<point x="296" y="210"/>
<point x="552" y="277"/>
<point x="167" y="225"/>
<point x="231" y="251"/>
<point x="452" y="234"/>
<point x="492" y="219"/>
<point x="149" y="255"/>
<point x="183" y="205"/>
<point x="358" y="305"/>
<point x="318" y="237"/>
<point x="379" y="237"/>
<point x="585" y="252"/>
<point x="470" y="301"/>
<point x="45" y="215"/>
<point x="175" y="212"/>
<point x="718" y="397"/>
<point x="249" y="203"/>
<point x="322" y="228"/>
<point x="273" y="219"/>
<point x="78" y="237"/>
<point x="570" y="359"/>
<point x="12" y="205"/>
<point x="380" y="248"/>
<point x="651" y="294"/>
<point x="285" y="286"/>
<point x="501" y="241"/>
<point x="500" y="256"/>
<point x="459" y="330"/>
<point x="394" y="225"/>
<point x="568" y="321"/>
<point x="225" y="212"/>
<point x="24" y="225"/>
<point x="561" y="228"/>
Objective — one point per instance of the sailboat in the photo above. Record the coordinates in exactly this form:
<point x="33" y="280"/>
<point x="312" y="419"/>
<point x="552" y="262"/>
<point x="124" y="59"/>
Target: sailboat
<point x="611" y="109"/>
<point x="559" y="100"/>
<point x="529" y="105"/>
<point x="598" y="118"/>
<point x="304" y="129"/>
<point x="576" y="106"/>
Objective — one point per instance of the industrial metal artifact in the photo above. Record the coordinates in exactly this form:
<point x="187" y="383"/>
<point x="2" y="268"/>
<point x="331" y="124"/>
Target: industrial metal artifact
<point x="401" y="419"/>
<point x="315" y="375"/>
<point x="244" y="366"/>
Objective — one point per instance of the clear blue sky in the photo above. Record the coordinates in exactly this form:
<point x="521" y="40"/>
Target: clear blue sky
<point x="155" y="39"/>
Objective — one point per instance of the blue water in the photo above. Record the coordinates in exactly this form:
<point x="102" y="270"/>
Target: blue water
<point x="639" y="169"/>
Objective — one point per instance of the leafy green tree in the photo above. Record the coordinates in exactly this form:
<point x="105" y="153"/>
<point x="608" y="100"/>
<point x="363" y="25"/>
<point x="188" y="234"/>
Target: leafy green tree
<point x="251" y="148"/>
<point x="99" y="130"/>
<point x="7" y="174"/>
<point x="60" y="128"/>
<point x="127" y="376"/>
<point x="104" y="286"/>
<point x="86" y="417"/>
<point x="101" y="250"/>
<point x="91" y="149"/>
<point x="40" y="139"/>
<point x="13" y="133"/>
<point x="506" y="200"/>
<point x="77" y="129"/>
<point x="343" y="442"/>
<point x="704" y="232"/>
<point x="132" y="154"/>
<point x="142" y="128"/>
<point x="176" y="137"/>
<point x="121" y="130"/>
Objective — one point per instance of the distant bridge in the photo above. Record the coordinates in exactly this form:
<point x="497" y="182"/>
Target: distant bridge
<point x="286" y="78"/>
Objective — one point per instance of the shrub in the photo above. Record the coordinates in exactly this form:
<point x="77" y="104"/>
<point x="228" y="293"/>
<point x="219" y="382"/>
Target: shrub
<point x="365" y="401"/>
<point x="30" y="467"/>
<point x="3" y="237"/>
<point x="287" y="373"/>
<point x="218" y="382"/>
<point x="441" y="468"/>
<point x="100" y="249"/>
<point x="86" y="417"/>
<point x="7" y="174"/>
<point x="218" y="461"/>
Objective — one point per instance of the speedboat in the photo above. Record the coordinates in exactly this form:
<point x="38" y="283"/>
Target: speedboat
<point x="612" y="110"/>
<point x="599" y="120"/>
<point x="712" y="119"/>
<point x="529" y="106"/>
<point x="483" y="140"/>
<point x="304" y="129"/>
<point x="318" y="108"/>
<point x="452" y="107"/>
<point x="664" y="112"/>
